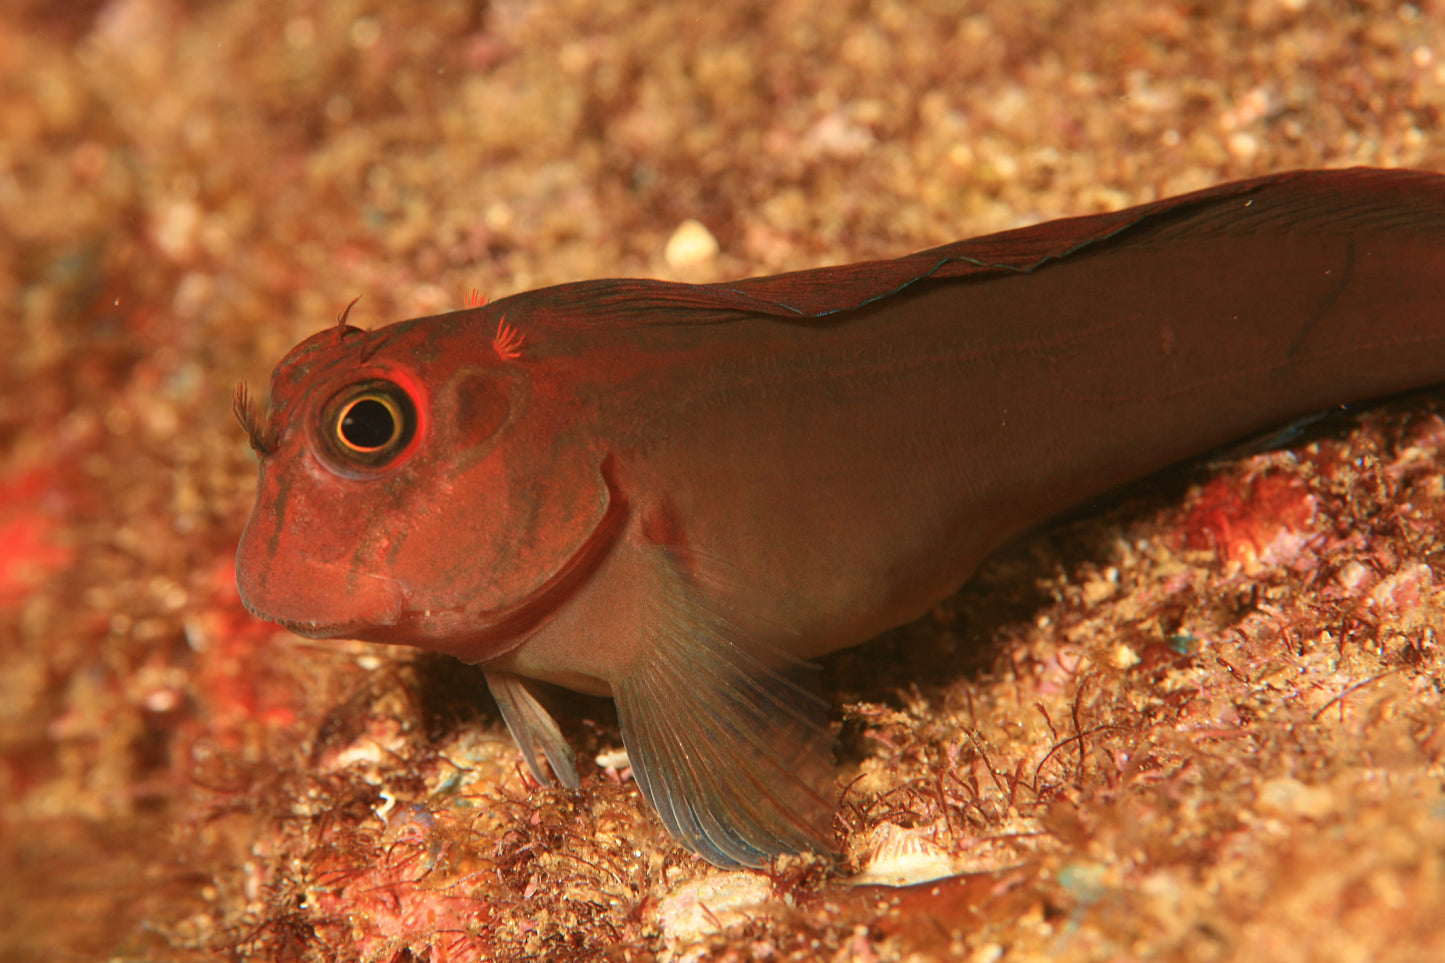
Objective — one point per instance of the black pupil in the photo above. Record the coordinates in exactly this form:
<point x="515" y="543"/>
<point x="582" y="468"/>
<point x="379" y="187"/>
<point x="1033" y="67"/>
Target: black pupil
<point x="368" y="424"/>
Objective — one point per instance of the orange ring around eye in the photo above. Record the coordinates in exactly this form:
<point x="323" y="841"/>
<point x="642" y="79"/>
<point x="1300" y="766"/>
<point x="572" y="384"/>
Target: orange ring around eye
<point x="369" y="424"/>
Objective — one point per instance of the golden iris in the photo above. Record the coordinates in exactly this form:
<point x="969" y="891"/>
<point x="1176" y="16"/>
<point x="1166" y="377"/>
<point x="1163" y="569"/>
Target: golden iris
<point x="371" y="423"/>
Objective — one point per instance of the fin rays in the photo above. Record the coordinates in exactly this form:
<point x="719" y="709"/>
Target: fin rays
<point x="535" y="731"/>
<point x="724" y="739"/>
<point x="725" y="736"/>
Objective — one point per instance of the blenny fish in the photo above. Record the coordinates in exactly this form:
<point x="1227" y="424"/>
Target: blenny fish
<point x="680" y="495"/>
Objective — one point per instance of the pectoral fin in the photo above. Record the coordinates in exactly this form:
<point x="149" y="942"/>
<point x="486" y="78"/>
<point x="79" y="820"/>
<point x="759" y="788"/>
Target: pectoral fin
<point x="726" y="737"/>
<point x="534" y="730"/>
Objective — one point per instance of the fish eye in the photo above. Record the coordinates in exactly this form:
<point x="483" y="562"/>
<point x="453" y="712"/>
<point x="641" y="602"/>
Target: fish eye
<point x="369" y="424"/>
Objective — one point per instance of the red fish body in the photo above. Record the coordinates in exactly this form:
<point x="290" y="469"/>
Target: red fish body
<point x="677" y="494"/>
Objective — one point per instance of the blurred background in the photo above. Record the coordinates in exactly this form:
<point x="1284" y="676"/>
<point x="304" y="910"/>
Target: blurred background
<point x="189" y="187"/>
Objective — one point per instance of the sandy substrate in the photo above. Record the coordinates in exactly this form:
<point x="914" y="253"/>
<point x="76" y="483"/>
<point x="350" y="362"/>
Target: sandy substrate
<point x="1201" y="723"/>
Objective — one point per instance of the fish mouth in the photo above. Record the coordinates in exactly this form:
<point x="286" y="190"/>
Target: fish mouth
<point x="377" y="605"/>
<point x="310" y="628"/>
<point x="325" y="630"/>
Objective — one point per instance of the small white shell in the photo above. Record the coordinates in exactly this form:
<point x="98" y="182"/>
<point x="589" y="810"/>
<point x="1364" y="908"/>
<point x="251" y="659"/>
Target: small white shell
<point x="903" y="857"/>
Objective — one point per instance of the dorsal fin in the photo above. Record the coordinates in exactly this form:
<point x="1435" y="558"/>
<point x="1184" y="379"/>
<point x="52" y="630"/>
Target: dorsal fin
<point x="1359" y="200"/>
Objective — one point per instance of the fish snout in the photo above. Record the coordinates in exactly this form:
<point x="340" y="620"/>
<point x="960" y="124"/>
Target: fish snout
<point x="318" y="599"/>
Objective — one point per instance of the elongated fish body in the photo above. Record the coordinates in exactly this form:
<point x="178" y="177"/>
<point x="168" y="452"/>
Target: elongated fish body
<point x="677" y="494"/>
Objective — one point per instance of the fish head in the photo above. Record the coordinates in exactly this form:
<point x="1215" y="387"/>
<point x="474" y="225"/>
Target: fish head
<point x="419" y="485"/>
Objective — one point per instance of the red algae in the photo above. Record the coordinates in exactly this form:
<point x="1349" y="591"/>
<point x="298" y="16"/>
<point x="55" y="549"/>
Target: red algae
<point x="31" y="515"/>
<point x="1258" y="519"/>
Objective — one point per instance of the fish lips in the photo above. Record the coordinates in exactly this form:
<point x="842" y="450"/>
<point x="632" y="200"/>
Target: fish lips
<point x="323" y="601"/>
